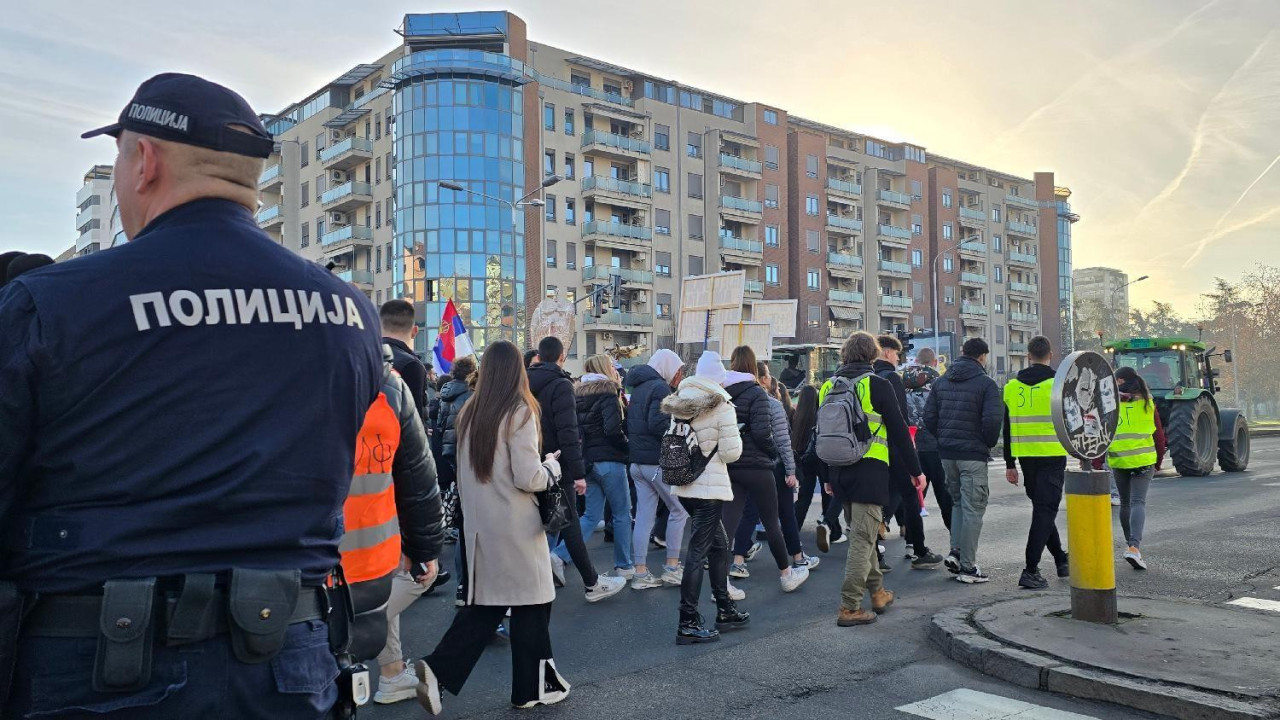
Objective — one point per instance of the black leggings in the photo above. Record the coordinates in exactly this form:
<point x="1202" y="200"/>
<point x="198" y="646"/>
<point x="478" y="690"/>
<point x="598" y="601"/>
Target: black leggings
<point x="786" y="518"/>
<point x="757" y="483"/>
<point x="572" y="537"/>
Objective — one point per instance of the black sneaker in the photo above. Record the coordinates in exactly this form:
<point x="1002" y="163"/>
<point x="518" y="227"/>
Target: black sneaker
<point x="884" y="566"/>
<point x="823" y="534"/>
<point x="952" y="562"/>
<point x="460" y="597"/>
<point x="1064" y="569"/>
<point x="972" y="576"/>
<point x="1032" y="580"/>
<point x="691" y="632"/>
<point x="927" y="561"/>
<point x="657" y="541"/>
<point x="442" y="577"/>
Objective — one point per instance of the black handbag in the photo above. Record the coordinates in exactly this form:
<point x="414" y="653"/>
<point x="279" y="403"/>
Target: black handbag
<point x="553" y="507"/>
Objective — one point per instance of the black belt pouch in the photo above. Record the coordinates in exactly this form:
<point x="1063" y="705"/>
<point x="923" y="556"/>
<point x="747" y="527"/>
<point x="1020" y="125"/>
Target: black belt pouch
<point x="126" y="636"/>
<point x="261" y="603"/>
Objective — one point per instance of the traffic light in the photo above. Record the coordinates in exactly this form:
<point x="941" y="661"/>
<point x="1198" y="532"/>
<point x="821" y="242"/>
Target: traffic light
<point x="615" y="291"/>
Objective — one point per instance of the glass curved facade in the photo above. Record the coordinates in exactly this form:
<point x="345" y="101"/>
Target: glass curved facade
<point x="459" y="118"/>
<point x="1065" y="291"/>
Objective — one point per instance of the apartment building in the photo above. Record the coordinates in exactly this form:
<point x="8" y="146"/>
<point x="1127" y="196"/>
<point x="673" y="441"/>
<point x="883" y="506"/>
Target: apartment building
<point x="94" y="210"/>
<point x="472" y="164"/>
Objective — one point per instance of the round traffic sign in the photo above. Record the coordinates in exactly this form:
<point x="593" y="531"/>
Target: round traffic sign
<point x="1084" y="404"/>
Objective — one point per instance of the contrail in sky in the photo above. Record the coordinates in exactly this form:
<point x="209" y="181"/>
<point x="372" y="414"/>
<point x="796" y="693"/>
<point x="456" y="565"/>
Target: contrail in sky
<point x="1215" y="233"/>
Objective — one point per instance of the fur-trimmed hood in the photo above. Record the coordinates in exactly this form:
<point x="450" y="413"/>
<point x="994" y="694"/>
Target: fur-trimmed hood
<point x="600" y="386"/>
<point x="694" y="397"/>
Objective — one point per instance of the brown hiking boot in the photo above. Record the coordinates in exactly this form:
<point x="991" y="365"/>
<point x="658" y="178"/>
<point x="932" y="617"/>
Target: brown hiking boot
<point x="849" y="618"/>
<point x="881" y="599"/>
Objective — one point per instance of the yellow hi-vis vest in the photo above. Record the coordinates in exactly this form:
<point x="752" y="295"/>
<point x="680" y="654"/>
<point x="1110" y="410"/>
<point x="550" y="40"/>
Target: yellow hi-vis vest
<point x="1134" y="445"/>
<point x="1030" y="420"/>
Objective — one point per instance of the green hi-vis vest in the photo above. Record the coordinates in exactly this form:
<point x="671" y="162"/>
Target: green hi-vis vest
<point x="1031" y="419"/>
<point x="1135" y="444"/>
<point x="879" y="449"/>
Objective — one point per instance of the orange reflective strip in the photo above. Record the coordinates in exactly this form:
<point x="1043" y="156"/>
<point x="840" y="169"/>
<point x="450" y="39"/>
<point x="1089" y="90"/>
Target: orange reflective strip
<point x="372" y="562"/>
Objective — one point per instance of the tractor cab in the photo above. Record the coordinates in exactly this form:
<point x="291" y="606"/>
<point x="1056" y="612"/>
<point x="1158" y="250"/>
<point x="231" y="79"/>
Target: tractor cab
<point x="1168" y="365"/>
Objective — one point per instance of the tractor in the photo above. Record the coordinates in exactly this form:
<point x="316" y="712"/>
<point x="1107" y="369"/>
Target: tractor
<point x="1183" y="382"/>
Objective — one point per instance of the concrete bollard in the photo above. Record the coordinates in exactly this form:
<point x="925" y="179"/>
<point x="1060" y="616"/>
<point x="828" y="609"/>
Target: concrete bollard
<point x="1093" y="570"/>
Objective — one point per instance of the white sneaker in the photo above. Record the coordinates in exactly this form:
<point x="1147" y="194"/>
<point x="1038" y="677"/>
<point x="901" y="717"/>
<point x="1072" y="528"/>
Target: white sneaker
<point x="428" y="689"/>
<point x="557" y="570"/>
<point x="395" y="689"/>
<point x="794" y="579"/>
<point x="673" y="575"/>
<point x="736" y="594"/>
<point x="625" y="573"/>
<point x="809" y="562"/>
<point x="924" y="512"/>
<point x="844" y="538"/>
<point x="645" y="581"/>
<point x="554" y="687"/>
<point x="605" y="587"/>
<point x="1134" y="557"/>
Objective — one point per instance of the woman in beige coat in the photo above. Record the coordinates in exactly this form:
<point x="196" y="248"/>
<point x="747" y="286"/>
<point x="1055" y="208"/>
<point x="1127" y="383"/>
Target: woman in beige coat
<point x="499" y="470"/>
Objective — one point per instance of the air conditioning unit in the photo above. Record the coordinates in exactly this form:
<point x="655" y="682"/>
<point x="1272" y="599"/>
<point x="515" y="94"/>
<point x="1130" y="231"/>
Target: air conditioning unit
<point x="606" y="337"/>
<point x="335" y="135"/>
<point x="337" y="177"/>
<point x="338" y="218"/>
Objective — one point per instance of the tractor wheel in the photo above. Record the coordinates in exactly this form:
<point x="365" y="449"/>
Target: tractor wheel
<point x="1193" y="436"/>
<point x="1233" y="454"/>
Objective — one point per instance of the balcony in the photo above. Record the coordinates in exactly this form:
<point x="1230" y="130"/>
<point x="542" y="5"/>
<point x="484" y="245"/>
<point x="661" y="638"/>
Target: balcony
<point x="345" y="238"/>
<point x="85" y="192"/>
<point x="608" y="143"/>
<point x="269" y="217"/>
<point x="270" y="179"/>
<point x="362" y="278"/>
<point x="1021" y="228"/>
<point x="617" y="235"/>
<point x="613" y="320"/>
<point x="347" y="196"/>
<point x="346" y="154"/>
<point x="1023" y="318"/>
<point x="86" y="216"/>
<point x="1019" y="258"/>
<point x="839" y="333"/>
<point x="740" y="250"/>
<point x="754" y="288"/>
<point x="843" y="225"/>
<point x="973" y="278"/>
<point x="603" y="273"/>
<point x="740" y="166"/>
<point x="1019" y="201"/>
<point x="975" y="248"/>
<point x="890" y="267"/>
<point x="1017" y="348"/>
<point x="845" y="297"/>
<point x="898" y="304"/>
<point x="741" y="208"/>
<point x="975" y="214"/>
<point x="973" y="309"/>
<point x="609" y="189"/>
<point x="844" y="265"/>
<point x="894" y="235"/>
<point x="844" y="188"/>
<point x="892" y="199"/>
<point x="1021" y="288"/>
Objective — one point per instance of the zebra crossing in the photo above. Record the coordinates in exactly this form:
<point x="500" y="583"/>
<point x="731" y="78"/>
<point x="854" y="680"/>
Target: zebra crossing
<point x="1270" y="603"/>
<point x="967" y="704"/>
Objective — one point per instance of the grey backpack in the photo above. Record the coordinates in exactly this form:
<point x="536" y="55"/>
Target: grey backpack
<point x="843" y="430"/>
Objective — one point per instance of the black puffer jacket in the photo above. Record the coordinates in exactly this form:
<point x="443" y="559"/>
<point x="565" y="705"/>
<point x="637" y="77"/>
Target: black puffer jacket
<point x="646" y="423"/>
<point x="554" y="390"/>
<point x="413" y="473"/>
<point x="602" y="421"/>
<point x="965" y="412"/>
<point x="751" y="403"/>
<point x="453" y="396"/>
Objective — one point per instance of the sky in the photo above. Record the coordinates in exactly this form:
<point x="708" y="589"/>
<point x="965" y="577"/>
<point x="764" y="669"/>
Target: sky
<point x="1162" y="116"/>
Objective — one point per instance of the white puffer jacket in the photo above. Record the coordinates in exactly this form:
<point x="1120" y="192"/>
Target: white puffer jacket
<point x="707" y="408"/>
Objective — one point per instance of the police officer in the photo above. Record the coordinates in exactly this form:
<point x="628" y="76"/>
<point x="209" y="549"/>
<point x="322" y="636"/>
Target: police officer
<point x="179" y="423"/>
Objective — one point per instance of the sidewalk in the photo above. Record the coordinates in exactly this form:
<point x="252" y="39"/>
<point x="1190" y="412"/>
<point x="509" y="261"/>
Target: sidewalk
<point x="1181" y="659"/>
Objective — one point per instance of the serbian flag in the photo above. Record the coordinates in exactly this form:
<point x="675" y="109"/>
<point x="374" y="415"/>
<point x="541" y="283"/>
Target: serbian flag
<point x="452" y="342"/>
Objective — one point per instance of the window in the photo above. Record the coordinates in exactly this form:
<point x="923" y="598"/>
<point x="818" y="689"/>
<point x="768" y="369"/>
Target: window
<point x="815" y="316"/>
<point x="377" y="209"/>
<point x="549" y="116"/>
<point x="390" y="224"/>
<point x="771" y="235"/>
<point x="579" y="80"/>
<point x="377" y="128"/>
<point x="812" y="240"/>
<point x="551" y="292"/>
<point x="694" y="146"/>
<point x="1000" y="364"/>
<point x="551" y="207"/>
<point x="377" y="170"/>
<point x="770" y="195"/>
<point x="949" y="294"/>
<point x="947" y="265"/>
<point x="551" y="253"/>
<point x="917" y="292"/>
<point x="913" y="153"/>
<point x="995" y="213"/>
<point x="306" y="194"/>
<point x="813" y="279"/>
<point x="771" y="157"/>
<point x="662" y="137"/>
<point x="387" y="163"/>
<point x="695" y="265"/>
<point x="571" y="256"/>
<point x="549" y="163"/>
<point x="612" y="88"/>
<point x="319" y="144"/>
<point x="950" y="325"/>
<point x="568" y="121"/>
<point x="695" y="227"/>
<point x="811" y="204"/>
<point x="662" y="179"/>
<point x="771" y="117"/>
<point x="999" y="274"/>
<point x="322" y="184"/>
<point x="1000" y="334"/>
<point x="811" y="166"/>
<point x="662" y="263"/>
<point x="946" y="198"/>
<point x="771" y="274"/>
<point x="662" y="222"/>
<point x="997" y="243"/>
<point x="387" y="253"/>
<point x="377" y="265"/>
<point x="946" y="231"/>
<point x="664" y="304"/>
<point x="695" y="185"/>
<point x="915" y="190"/>
<point x="570" y="166"/>
<point x="570" y="211"/>
<point x="305" y="157"/>
<point x="999" y="305"/>
<point x="588" y="167"/>
<point x="916" y="227"/>
<point x="379" y="296"/>
<point x="917" y="258"/>
<point x="319" y="228"/>
<point x="306" y="235"/>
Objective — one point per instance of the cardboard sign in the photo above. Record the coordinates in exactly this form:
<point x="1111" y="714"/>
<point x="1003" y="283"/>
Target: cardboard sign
<point x="781" y="314"/>
<point x="756" y="335"/>
<point x="717" y="293"/>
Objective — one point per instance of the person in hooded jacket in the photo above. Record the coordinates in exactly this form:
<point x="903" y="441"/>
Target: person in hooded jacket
<point x="918" y="380"/>
<point x="452" y="397"/>
<point x="646" y="424"/>
<point x="602" y="422"/>
<point x="703" y="403"/>
<point x="752" y="473"/>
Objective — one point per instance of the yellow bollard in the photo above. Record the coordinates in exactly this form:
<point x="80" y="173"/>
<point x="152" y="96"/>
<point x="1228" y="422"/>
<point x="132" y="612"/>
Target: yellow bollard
<point x="1093" y="570"/>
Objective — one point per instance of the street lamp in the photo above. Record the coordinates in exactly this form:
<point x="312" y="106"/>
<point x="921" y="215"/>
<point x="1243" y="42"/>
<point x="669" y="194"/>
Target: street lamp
<point x="523" y="202"/>
<point x="937" y="330"/>
<point x="1111" y="301"/>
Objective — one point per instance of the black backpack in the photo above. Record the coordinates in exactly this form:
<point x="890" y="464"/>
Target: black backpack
<point x="680" y="455"/>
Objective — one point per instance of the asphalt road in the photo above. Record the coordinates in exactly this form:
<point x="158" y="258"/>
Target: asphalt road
<point x="1213" y="539"/>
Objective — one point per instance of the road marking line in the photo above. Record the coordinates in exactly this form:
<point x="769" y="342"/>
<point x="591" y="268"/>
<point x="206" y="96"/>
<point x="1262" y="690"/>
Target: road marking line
<point x="966" y="704"/>
<point x="1257" y="603"/>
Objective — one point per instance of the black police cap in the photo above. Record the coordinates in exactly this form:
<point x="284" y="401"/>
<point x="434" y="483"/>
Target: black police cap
<point x="193" y="111"/>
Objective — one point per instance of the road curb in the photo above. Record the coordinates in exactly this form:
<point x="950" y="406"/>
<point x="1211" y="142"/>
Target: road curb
<point x="954" y="632"/>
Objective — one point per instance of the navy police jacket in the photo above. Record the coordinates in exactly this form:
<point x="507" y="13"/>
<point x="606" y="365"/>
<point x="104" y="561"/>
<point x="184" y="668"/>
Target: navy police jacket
<point x="188" y="402"/>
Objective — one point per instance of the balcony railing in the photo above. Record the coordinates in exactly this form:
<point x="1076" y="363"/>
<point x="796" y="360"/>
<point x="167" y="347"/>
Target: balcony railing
<point x="612" y="184"/>
<point x="898" y="198"/>
<point x="844" y="186"/>
<point x="1019" y="257"/>
<point x="603" y="272"/>
<point x="345" y="189"/>
<point x="972" y="277"/>
<point x="895" y="267"/>
<point x="1022" y="228"/>
<point x="844" y="259"/>
<point x="620" y="318"/>
<point x="844" y="223"/>
<point x="350" y="144"/>
<point x="848" y="296"/>
<point x="345" y="233"/>
<point x="1017" y="347"/>
<point x="753" y="286"/>
<point x="969" y="308"/>
<point x="973" y="246"/>
<point x="267" y="214"/>
<point x="972" y="214"/>
<point x="619" y="142"/>
<point x="893" y="231"/>
<point x="742" y="204"/>
<point x="269" y="174"/>
<point x="895" y="301"/>
<point x="1022" y="317"/>
<point x="733" y="242"/>
<point x="1021" y="287"/>
<point x="605" y="227"/>
<point x="584" y="90"/>
<point x="740" y="163"/>
<point x="360" y="277"/>
<point x="1022" y="202"/>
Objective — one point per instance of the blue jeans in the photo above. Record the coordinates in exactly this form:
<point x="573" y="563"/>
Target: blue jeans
<point x="204" y="679"/>
<point x="608" y="481"/>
